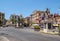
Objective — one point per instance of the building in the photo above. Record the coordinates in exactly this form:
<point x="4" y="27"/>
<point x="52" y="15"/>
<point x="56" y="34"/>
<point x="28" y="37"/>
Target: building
<point x="37" y="16"/>
<point x="58" y="19"/>
<point x="27" y="21"/>
<point x="9" y="23"/>
<point x="45" y="19"/>
<point x="42" y="18"/>
<point x="16" y="20"/>
<point x="2" y="18"/>
<point x="55" y="18"/>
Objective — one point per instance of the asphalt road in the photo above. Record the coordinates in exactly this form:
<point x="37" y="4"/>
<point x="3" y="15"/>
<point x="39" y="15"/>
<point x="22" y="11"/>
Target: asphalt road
<point x="13" y="34"/>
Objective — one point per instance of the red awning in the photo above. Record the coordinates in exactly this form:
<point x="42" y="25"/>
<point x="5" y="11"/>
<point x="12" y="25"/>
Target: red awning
<point x="38" y="19"/>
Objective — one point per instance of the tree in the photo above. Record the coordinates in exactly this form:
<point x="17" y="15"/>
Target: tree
<point x="20" y="20"/>
<point x="59" y="29"/>
<point x="13" y="20"/>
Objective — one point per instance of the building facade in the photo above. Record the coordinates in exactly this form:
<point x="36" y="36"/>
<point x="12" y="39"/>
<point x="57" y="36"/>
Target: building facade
<point x="2" y="19"/>
<point x="16" y="20"/>
<point x="58" y="19"/>
<point x="43" y="18"/>
<point x="27" y="21"/>
<point x="40" y="15"/>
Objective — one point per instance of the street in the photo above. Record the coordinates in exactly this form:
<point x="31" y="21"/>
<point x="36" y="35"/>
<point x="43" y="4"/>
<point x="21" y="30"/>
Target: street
<point x="14" y="34"/>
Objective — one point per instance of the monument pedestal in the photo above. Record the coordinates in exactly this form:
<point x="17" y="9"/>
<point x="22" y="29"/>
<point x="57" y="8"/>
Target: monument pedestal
<point x="45" y="30"/>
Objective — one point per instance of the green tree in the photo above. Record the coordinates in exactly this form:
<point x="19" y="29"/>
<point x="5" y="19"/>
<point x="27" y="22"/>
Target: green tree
<point x="13" y="20"/>
<point x="59" y="29"/>
<point x="20" y="20"/>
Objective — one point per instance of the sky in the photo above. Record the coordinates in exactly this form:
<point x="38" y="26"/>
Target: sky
<point x="26" y="7"/>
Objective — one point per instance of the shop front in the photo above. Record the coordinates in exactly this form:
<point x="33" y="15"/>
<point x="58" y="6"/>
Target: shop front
<point x="55" y="26"/>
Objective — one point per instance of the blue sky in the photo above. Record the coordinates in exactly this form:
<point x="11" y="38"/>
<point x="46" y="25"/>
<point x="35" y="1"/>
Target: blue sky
<point x="26" y="7"/>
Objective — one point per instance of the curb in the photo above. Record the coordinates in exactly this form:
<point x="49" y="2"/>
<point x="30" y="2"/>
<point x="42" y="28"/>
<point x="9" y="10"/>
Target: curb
<point x="41" y="31"/>
<point x="51" y="33"/>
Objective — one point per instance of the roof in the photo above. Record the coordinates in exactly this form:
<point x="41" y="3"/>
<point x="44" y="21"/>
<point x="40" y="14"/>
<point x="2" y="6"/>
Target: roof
<point x="58" y="17"/>
<point x="37" y="12"/>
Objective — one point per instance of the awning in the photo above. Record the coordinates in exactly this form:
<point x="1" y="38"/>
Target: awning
<point x="55" y="24"/>
<point x="37" y="19"/>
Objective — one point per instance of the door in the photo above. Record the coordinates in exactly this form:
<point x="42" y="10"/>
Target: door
<point x="49" y="25"/>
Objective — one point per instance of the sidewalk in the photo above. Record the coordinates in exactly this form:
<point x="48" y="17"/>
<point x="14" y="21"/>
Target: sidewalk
<point x="50" y="32"/>
<point x="41" y="31"/>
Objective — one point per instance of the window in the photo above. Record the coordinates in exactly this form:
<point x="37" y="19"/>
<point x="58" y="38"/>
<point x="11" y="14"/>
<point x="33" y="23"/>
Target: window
<point x="43" y="18"/>
<point x="39" y="14"/>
